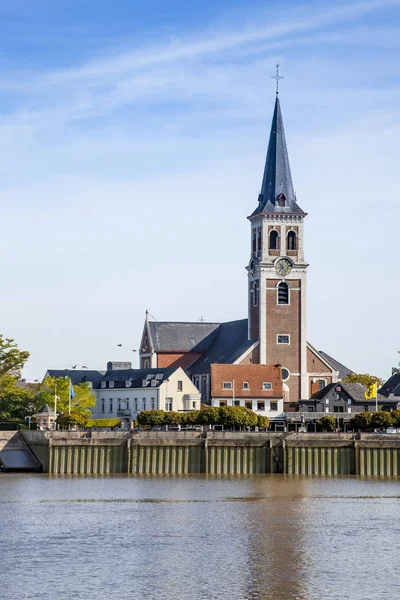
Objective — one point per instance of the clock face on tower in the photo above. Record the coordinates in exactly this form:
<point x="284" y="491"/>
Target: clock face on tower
<point x="283" y="267"/>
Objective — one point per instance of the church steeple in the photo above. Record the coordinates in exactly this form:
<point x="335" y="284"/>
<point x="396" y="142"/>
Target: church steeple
<point x="277" y="193"/>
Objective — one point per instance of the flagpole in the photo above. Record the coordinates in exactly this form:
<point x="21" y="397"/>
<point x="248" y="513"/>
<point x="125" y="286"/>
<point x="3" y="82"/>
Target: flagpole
<point x="55" y="405"/>
<point x="69" y="397"/>
<point x="376" y="398"/>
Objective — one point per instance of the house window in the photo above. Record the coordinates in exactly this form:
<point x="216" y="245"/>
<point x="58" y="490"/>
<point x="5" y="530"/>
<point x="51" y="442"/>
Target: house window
<point x="111" y="384"/>
<point x="119" y="404"/>
<point x="283" y="338"/>
<point x="196" y="382"/>
<point x="236" y="402"/>
<point x="292" y="242"/>
<point x="146" y="363"/>
<point x="259" y="241"/>
<point x="283" y="293"/>
<point x="144" y="403"/>
<point x="128" y="383"/>
<point x="180" y="386"/>
<point x="168" y="404"/>
<point x="227" y="385"/>
<point x="285" y="374"/>
<point x="254" y="241"/>
<point x="222" y="402"/>
<point x="274" y="240"/>
<point x="245" y="385"/>
<point x="111" y="407"/>
<point x="260" y="405"/>
<point x="338" y="409"/>
<point x="267" y="386"/>
<point x="249" y="404"/>
<point x="321" y="384"/>
<point x="153" y="403"/>
<point x="127" y="404"/>
<point x="274" y="406"/>
<point x="103" y="405"/>
<point x="366" y="409"/>
<point x="136" y="404"/>
<point x="103" y="384"/>
<point x="310" y="408"/>
<point x="282" y="200"/>
<point x="194" y="404"/>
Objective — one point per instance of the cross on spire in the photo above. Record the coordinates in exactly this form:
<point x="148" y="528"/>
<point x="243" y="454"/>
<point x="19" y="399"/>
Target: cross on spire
<point x="277" y="77"/>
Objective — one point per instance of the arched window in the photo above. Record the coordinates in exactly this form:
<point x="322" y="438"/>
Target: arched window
<point x="292" y="241"/>
<point x="274" y="240"/>
<point x="255" y="294"/>
<point x="283" y="293"/>
<point x="259" y="241"/>
<point x="146" y="364"/>
<point x="254" y="241"/>
<point x="321" y="384"/>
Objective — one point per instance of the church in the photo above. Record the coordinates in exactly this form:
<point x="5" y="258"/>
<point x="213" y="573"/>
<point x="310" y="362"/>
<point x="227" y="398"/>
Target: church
<point x="275" y="331"/>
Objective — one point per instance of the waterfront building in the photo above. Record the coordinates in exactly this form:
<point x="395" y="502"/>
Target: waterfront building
<point x="275" y="331"/>
<point x="45" y="418"/>
<point x="343" y="400"/>
<point x="391" y="389"/>
<point x="123" y="392"/>
<point x="257" y="387"/>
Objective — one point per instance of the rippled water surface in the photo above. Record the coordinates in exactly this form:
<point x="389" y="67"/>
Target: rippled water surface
<point x="237" y="538"/>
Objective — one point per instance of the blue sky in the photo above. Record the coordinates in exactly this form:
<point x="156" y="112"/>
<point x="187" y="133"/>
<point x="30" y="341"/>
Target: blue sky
<point x="133" y="137"/>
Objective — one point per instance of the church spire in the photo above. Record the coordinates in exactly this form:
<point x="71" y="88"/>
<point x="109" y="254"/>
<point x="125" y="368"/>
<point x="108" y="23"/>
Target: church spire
<point x="277" y="193"/>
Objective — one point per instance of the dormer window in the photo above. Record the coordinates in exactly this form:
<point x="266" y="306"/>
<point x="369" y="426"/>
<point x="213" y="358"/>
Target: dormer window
<point x="282" y="200"/>
<point x="103" y="384"/>
<point x="128" y="383"/>
<point x="111" y="384"/>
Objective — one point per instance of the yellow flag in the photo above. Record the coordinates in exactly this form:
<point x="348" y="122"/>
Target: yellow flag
<point x="371" y="391"/>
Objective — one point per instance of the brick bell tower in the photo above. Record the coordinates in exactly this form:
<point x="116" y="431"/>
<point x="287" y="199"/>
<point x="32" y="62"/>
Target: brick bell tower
<point x="277" y="271"/>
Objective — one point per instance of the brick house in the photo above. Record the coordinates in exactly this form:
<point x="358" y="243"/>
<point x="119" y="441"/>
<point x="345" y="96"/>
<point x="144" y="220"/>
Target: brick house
<point x="258" y="387"/>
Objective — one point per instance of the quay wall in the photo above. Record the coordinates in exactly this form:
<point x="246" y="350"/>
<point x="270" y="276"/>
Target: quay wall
<point x="215" y="453"/>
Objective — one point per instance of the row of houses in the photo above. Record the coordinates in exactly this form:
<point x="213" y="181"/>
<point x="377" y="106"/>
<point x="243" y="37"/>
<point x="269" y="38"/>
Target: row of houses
<point x="123" y="392"/>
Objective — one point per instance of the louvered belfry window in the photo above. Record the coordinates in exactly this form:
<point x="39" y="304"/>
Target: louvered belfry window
<point x="283" y="293"/>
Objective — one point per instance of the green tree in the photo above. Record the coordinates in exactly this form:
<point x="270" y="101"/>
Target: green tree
<point x="364" y="379"/>
<point x="151" y="418"/>
<point x="396" y="418"/>
<point x="381" y="420"/>
<point x="16" y="402"/>
<point x="361" y="421"/>
<point x="191" y="417"/>
<point x="326" y="424"/>
<point x="209" y="416"/>
<point x="173" y="418"/>
<point x="81" y="404"/>
<point x="11" y="358"/>
<point x="233" y="416"/>
<point x="262" y="422"/>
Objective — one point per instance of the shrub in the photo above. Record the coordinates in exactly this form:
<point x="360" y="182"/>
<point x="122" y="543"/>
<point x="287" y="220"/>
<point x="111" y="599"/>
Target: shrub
<point x="103" y="422"/>
<point x="151" y="418"/>
<point x="173" y="418"/>
<point x="361" y="421"/>
<point x="326" y="424"/>
<point x="262" y="422"/>
<point x="381" y="420"/>
<point x="396" y="418"/>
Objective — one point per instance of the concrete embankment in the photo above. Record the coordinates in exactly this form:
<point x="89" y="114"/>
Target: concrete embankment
<point x="215" y="453"/>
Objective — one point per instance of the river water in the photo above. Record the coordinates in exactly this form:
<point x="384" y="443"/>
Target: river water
<point x="200" y="537"/>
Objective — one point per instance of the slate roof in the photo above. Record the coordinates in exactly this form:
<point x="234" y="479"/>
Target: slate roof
<point x="277" y="177"/>
<point x="392" y="386"/>
<point x="45" y="410"/>
<point x="228" y="344"/>
<point x="182" y="336"/>
<point x="78" y="375"/>
<point x="343" y="371"/>
<point x="137" y="376"/>
<point x="355" y="390"/>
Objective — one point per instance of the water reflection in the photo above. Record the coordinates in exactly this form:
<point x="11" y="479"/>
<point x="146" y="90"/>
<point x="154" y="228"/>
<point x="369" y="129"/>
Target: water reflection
<point x="199" y="538"/>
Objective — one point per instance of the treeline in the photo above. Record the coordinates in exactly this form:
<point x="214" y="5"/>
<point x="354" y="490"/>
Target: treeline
<point x="228" y="416"/>
<point x="365" y="421"/>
